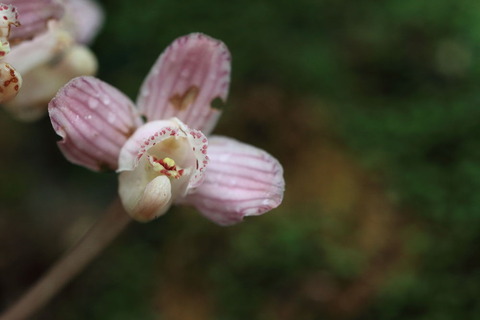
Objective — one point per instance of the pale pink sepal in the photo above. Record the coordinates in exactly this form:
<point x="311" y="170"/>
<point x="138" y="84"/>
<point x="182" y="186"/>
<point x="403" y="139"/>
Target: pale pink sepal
<point x="241" y="180"/>
<point x="87" y="17"/>
<point x="192" y="72"/>
<point x="94" y="119"/>
<point x="34" y="15"/>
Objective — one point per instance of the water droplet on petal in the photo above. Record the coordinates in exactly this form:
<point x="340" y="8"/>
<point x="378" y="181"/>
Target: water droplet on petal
<point x="93" y="103"/>
<point x="111" y="117"/>
<point x="106" y="100"/>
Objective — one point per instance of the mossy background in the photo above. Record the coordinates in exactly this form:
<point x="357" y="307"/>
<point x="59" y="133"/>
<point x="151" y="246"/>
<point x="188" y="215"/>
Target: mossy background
<point x="372" y="107"/>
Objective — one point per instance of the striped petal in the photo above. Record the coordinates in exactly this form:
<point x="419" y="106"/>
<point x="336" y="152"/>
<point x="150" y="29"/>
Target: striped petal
<point x="241" y="180"/>
<point x="192" y="72"/>
<point x="34" y="15"/>
<point x="95" y="120"/>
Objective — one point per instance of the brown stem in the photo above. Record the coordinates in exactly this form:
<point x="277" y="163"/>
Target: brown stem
<point x="90" y="245"/>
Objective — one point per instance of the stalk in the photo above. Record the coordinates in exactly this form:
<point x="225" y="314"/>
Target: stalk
<point x="97" y="238"/>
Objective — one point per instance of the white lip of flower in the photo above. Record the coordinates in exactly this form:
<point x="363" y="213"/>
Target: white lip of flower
<point x="163" y="161"/>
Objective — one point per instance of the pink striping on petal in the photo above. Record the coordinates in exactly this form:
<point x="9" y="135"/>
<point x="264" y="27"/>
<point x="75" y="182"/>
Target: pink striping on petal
<point x="94" y="119"/>
<point x="233" y="189"/>
<point x="34" y="15"/>
<point x="192" y="72"/>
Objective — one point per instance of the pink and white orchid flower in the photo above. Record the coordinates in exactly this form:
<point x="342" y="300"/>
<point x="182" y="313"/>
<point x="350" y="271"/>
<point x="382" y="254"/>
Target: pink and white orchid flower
<point x="169" y="159"/>
<point x="54" y="34"/>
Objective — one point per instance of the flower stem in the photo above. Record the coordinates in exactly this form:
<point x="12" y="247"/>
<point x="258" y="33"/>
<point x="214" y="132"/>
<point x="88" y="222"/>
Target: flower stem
<point x="90" y="245"/>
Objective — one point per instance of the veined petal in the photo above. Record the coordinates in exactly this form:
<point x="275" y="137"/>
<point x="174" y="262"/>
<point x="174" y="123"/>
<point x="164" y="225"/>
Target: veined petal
<point x="85" y="17"/>
<point x="192" y="72"/>
<point x="241" y="180"/>
<point x="34" y="15"/>
<point x="94" y="119"/>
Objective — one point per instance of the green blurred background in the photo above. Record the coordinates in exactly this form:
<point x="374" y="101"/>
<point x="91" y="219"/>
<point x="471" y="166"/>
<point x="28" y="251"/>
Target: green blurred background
<point x="373" y="109"/>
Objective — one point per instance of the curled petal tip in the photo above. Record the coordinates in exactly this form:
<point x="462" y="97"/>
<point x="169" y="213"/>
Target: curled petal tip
<point x="189" y="75"/>
<point x="94" y="119"/>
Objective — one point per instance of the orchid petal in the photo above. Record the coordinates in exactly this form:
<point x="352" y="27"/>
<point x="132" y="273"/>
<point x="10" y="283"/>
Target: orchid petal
<point x="130" y="153"/>
<point x="94" y="119"/>
<point x="86" y="18"/>
<point x="155" y="132"/>
<point x="241" y="180"/>
<point x="160" y="149"/>
<point x="192" y="72"/>
<point x="40" y="50"/>
<point x="34" y="15"/>
<point x="31" y="102"/>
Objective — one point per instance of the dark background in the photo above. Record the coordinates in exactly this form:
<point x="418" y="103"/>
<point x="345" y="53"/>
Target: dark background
<point x="373" y="109"/>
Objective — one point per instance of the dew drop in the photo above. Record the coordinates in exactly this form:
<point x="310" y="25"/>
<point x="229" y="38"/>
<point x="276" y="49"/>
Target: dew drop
<point x="111" y="117"/>
<point x="93" y="103"/>
<point x="106" y="100"/>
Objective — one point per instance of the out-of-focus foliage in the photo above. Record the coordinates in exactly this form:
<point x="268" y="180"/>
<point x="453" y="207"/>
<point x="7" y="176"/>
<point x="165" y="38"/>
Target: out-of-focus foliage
<point x="372" y="107"/>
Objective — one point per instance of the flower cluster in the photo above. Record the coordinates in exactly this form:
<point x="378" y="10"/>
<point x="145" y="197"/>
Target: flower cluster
<point x="161" y="148"/>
